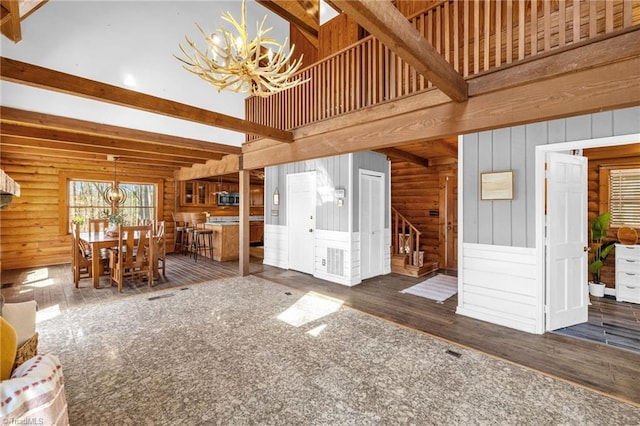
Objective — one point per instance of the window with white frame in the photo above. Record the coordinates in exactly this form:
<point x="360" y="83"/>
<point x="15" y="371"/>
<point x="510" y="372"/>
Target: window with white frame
<point x="624" y="197"/>
<point x="86" y="200"/>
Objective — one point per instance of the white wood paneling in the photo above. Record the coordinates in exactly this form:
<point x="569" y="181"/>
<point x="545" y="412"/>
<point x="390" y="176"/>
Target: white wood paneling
<point x="326" y="240"/>
<point x="499" y="284"/>
<point x="276" y="243"/>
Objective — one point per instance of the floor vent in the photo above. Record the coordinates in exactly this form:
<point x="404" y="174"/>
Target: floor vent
<point x="335" y="261"/>
<point x="162" y="296"/>
<point x="453" y="353"/>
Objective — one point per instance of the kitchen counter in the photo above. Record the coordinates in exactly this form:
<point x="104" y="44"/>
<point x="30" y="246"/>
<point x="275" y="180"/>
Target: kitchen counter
<point x="226" y="236"/>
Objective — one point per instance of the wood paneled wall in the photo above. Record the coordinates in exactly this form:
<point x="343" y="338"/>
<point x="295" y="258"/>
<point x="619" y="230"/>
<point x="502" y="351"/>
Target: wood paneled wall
<point x="410" y="8"/>
<point x="303" y="47"/>
<point x="337" y="34"/>
<point x="30" y="234"/>
<point x="415" y="191"/>
<point x="599" y="203"/>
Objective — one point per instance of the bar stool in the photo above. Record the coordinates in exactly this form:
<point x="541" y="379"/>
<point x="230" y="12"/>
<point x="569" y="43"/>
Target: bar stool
<point x="202" y="239"/>
<point x="180" y="230"/>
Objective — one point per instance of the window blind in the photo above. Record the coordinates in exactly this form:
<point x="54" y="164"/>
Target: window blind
<point x="624" y="197"/>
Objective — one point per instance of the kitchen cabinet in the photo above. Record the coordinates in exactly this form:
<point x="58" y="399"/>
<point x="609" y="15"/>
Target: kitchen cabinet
<point x="226" y="244"/>
<point x="256" y="231"/>
<point x="196" y="193"/>
<point x="256" y="194"/>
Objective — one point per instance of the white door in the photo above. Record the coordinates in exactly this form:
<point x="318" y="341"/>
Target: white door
<point x="301" y="220"/>
<point x="567" y="297"/>
<point x="371" y="224"/>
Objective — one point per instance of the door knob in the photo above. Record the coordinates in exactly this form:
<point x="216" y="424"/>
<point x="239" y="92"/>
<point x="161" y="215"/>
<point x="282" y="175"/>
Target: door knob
<point x="310" y="230"/>
<point x="586" y="249"/>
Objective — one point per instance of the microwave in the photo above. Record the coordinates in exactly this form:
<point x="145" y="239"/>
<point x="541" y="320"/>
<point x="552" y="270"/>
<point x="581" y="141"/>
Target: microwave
<point x="229" y="199"/>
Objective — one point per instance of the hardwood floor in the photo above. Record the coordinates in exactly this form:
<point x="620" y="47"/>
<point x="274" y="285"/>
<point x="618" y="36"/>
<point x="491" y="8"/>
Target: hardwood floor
<point x="603" y="368"/>
<point x="610" y="322"/>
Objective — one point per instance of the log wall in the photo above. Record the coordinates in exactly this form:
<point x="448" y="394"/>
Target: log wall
<point x="414" y="191"/>
<point x="30" y="228"/>
<point x="598" y="200"/>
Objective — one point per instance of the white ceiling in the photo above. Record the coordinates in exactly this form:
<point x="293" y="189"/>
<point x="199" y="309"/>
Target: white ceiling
<point x="111" y="41"/>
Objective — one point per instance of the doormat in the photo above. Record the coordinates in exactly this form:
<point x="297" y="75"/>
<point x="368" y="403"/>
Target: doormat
<point x="438" y="288"/>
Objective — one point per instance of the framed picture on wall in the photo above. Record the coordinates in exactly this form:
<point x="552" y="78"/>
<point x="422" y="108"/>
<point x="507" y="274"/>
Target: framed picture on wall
<point x="496" y="185"/>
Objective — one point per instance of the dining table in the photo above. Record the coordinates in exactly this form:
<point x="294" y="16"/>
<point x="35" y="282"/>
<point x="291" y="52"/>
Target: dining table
<point x="102" y="240"/>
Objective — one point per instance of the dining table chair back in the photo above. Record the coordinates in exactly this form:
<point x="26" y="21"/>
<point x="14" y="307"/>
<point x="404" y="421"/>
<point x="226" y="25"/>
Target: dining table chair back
<point x="80" y="256"/>
<point x="98" y="225"/>
<point x="133" y="255"/>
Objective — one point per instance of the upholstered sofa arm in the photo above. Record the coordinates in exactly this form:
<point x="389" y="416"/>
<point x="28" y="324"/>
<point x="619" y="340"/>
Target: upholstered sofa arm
<point x="35" y="393"/>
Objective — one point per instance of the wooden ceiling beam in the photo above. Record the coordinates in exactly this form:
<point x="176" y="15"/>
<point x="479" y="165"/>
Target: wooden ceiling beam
<point x="57" y="135"/>
<point x="613" y="152"/>
<point x="11" y="27"/>
<point x="391" y="27"/>
<point x="36" y="119"/>
<point x="229" y="164"/>
<point x="404" y="156"/>
<point x="91" y="157"/>
<point x="295" y="13"/>
<point x="74" y="147"/>
<point x="45" y="78"/>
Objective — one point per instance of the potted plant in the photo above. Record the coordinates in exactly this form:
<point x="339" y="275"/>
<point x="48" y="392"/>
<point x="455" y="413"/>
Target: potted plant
<point x="600" y="250"/>
<point x="115" y="218"/>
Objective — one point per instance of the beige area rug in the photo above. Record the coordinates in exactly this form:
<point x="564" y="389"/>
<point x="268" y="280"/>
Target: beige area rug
<point x="438" y="288"/>
<point x="246" y="351"/>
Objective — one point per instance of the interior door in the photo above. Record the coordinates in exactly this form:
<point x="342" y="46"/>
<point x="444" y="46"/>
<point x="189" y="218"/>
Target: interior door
<point x="371" y="224"/>
<point x="449" y="220"/>
<point x="301" y="220"/>
<point x="566" y="273"/>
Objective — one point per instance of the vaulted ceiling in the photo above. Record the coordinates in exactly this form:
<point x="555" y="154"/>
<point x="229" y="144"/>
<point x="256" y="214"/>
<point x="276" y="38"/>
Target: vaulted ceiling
<point x="179" y="98"/>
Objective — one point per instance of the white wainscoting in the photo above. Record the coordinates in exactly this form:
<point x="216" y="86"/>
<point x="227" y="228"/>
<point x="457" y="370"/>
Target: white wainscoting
<point x="499" y="284"/>
<point x="331" y="246"/>
<point x="386" y="269"/>
<point x="276" y="246"/>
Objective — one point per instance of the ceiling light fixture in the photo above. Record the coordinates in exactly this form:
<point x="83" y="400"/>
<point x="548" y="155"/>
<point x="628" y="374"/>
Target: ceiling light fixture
<point x="115" y="194"/>
<point x="233" y="62"/>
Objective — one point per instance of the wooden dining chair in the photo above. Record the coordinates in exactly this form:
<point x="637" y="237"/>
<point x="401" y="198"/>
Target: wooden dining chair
<point x="132" y="256"/>
<point x="98" y="225"/>
<point x="157" y="237"/>
<point x="80" y="256"/>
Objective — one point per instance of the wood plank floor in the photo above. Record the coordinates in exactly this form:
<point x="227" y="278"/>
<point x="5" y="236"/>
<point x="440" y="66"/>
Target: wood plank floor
<point x="610" y="370"/>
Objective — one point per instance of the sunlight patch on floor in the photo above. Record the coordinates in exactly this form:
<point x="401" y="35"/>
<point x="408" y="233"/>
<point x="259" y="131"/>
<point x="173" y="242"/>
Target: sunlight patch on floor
<point x="315" y="332"/>
<point x="36" y="275"/>
<point x="310" y="307"/>
<point x="47" y="313"/>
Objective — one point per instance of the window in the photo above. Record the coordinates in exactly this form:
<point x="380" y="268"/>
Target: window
<point x="624" y="197"/>
<point x="86" y="200"/>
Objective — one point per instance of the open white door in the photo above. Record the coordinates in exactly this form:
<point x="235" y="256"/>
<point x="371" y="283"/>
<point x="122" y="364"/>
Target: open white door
<point x="371" y="224"/>
<point x="301" y="220"/>
<point x="566" y="276"/>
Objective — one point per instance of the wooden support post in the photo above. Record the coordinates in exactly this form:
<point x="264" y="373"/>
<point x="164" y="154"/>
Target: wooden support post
<point x="244" y="222"/>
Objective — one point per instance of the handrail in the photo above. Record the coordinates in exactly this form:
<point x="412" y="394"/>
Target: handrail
<point x="403" y="243"/>
<point x="473" y="36"/>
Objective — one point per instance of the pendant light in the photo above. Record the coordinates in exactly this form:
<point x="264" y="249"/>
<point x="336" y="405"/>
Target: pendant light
<point x="115" y="194"/>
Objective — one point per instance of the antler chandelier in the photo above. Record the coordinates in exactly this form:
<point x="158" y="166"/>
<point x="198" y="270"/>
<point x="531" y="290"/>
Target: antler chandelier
<point x="242" y="65"/>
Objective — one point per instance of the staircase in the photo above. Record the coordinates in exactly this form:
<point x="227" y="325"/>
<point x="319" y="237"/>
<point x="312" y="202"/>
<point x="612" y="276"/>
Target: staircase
<point x="406" y="257"/>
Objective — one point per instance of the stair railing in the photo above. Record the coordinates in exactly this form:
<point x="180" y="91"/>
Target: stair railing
<point x="405" y="238"/>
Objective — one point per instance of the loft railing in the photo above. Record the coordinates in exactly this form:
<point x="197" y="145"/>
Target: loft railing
<point x="405" y="238"/>
<point x="473" y="36"/>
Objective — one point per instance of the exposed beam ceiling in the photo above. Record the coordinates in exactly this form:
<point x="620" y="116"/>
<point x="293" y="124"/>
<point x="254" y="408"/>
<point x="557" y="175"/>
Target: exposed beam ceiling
<point x="391" y="27"/>
<point x="11" y="27"/>
<point x="395" y="153"/>
<point x="44" y="78"/>
<point x="303" y="14"/>
<point x="55" y="136"/>
<point x="613" y="152"/>
<point x="53" y="122"/>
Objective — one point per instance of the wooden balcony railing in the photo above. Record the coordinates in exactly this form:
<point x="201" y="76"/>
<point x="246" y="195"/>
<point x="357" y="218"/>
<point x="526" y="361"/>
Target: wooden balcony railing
<point x="473" y="36"/>
<point x="405" y="238"/>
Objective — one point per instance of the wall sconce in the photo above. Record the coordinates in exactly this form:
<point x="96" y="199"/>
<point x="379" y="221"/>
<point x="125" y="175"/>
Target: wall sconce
<point x="339" y="194"/>
<point x="276" y="197"/>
